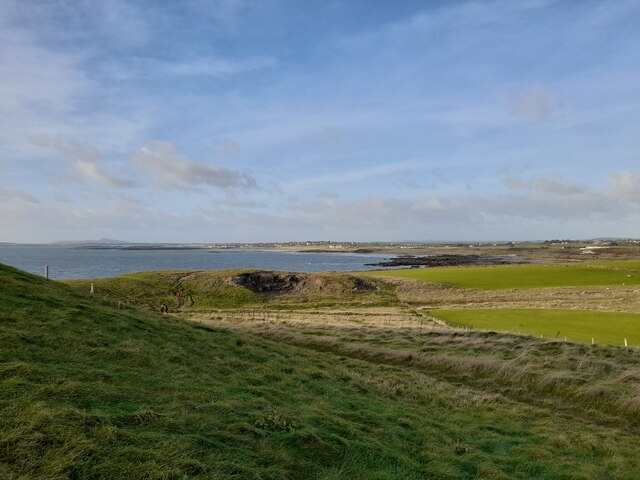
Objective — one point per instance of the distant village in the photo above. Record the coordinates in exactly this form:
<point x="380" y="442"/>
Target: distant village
<point x="336" y="245"/>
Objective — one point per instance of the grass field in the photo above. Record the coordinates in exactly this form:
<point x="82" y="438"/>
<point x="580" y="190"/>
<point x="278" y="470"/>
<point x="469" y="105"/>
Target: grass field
<point x="93" y="392"/>
<point x="526" y="276"/>
<point x="577" y="325"/>
<point x="324" y="382"/>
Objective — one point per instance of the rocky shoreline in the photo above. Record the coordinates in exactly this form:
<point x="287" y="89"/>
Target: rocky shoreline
<point x="449" y="260"/>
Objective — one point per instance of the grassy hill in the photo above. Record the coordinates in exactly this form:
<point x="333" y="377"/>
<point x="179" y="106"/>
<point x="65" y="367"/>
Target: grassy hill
<point x="227" y="289"/>
<point x="90" y="391"/>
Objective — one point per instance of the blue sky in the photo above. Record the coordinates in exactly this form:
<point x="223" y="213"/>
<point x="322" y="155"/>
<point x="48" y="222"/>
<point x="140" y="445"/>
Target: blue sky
<point x="275" y="120"/>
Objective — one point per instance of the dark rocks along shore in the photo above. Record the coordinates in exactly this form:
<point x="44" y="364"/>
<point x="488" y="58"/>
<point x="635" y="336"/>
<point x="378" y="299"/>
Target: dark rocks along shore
<point x="449" y="260"/>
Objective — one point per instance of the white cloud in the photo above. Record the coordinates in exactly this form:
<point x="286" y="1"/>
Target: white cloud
<point x="626" y="184"/>
<point x="528" y="213"/>
<point x="548" y="200"/>
<point x="172" y="170"/>
<point x="87" y="162"/>
<point x="46" y="89"/>
<point x="553" y="185"/>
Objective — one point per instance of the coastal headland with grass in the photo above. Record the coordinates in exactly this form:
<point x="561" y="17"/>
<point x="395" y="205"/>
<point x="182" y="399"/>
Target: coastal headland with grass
<point x="321" y="240"/>
<point x="503" y="371"/>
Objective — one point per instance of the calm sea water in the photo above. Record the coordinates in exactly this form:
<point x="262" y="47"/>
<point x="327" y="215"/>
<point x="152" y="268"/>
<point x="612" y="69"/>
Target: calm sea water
<point x="72" y="263"/>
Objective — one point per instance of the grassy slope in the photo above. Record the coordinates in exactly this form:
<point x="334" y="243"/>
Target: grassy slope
<point x="526" y="276"/>
<point x="93" y="392"/>
<point x="597" y="383"/>
<point x="577" y="325"/>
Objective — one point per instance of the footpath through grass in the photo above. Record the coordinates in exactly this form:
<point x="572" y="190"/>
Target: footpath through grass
<point x="576" y="325"/>
<point x="92" y="392"/>
<point x="526" y="276"/>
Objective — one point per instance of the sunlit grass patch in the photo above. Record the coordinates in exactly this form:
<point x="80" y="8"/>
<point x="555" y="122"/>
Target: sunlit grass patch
<point x="577" y="325"/>
<point x="526" y="276"/>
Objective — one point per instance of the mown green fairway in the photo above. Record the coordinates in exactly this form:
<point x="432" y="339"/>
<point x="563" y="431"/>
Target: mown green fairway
<point x="577" y="325"/>
<point x="526" y="276"/>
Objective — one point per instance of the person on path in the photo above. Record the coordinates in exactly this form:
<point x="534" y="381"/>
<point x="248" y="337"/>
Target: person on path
<point x="180" y="298"/>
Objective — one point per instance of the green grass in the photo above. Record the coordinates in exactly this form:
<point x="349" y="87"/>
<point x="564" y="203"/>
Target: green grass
<point x="597" y="384"/>
<point x="577" y="325"/>
<point x="526" y="276"/>
<point x="93" y="392"/>
<point x="217" y="290"/>
<point x="619" y="264"/>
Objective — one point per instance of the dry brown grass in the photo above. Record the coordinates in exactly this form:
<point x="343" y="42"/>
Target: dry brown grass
<point x="598" y="384"/>
<point x="424" y="295"/>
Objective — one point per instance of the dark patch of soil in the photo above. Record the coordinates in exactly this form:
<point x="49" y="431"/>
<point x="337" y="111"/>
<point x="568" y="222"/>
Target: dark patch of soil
<point x="281" y="283"/>
<point x="364" y="285"/>
<point x="269" y="282"/>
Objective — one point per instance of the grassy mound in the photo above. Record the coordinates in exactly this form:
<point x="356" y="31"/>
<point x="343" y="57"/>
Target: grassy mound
<point x="92" y="392"/>
<point x="241" y="288"/>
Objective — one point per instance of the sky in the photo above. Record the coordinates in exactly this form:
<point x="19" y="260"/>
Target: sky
<point x="345" y="120"/>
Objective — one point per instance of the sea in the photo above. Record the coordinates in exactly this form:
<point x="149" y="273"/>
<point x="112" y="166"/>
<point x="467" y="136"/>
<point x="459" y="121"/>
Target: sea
<point x="71" y="262"/>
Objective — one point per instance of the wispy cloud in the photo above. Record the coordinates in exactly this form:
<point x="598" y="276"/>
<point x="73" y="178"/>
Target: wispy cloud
<point x="216" y="67"/>
<point x="569" y="202"/>
<point x="536" y="103"/>
<point x="141" y="69"/>
<point x="626" y="184"/>
<point x="35" y="77"/>
<point x="551" y="184"/>
<point x="354" y="175"/>
<point x="172" y="170"/>
<point x="87" y="162"/>
<point x="13" y="194"/>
